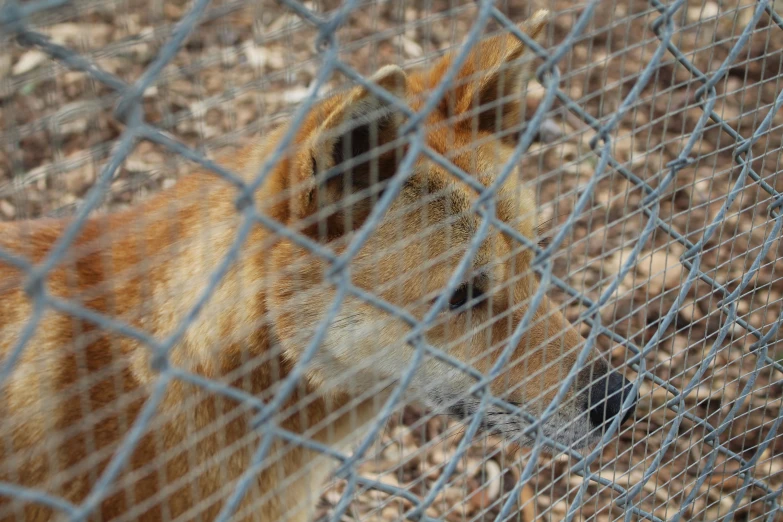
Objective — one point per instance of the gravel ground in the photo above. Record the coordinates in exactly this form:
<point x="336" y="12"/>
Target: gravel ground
<point x="248" y="65"/>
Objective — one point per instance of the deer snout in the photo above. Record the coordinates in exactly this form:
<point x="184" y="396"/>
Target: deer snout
<point x="606" y="398"/>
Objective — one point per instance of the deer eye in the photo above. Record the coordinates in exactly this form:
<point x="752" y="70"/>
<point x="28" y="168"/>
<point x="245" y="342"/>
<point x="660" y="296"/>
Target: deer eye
<point x="463" y="294"/>
<point x="315" y="165"/>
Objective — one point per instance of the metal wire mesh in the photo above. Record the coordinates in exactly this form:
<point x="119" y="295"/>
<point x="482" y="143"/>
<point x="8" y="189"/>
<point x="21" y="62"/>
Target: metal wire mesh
<point x="652" y="142"/>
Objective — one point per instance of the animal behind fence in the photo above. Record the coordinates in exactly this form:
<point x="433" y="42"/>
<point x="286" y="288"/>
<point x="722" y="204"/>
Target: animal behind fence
<point x="460" y="260"/>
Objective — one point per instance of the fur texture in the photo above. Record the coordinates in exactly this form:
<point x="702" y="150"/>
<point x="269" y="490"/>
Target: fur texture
<point x="77" y="388"/>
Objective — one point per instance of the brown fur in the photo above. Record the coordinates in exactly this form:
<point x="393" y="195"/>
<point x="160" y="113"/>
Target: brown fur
<point x="78" y="387"/>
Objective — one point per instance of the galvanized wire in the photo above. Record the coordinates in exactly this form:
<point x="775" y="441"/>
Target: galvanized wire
<point x="16" y="21"/>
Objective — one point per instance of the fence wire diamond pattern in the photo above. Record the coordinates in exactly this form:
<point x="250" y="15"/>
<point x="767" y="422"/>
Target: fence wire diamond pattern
<point x="757" y="489"/>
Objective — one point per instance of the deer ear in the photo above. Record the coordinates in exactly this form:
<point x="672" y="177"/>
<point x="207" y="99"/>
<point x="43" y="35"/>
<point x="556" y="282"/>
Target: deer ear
<point x="362" y="123"/>
<point x="490" y="85"/>
<point x="356" y="141"/>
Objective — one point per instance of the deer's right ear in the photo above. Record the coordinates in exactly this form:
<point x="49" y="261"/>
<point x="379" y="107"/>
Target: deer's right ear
<point x="362" y="123"/>
<point x="355" y="141"/>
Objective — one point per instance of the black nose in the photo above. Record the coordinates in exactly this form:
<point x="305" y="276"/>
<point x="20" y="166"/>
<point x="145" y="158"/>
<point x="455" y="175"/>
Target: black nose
<point x="607" y="396"/>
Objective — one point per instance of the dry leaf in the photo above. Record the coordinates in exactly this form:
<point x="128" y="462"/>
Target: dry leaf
<point x="28" y="61"/>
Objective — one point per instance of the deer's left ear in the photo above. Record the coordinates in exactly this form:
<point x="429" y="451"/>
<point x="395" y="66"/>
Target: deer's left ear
<point x="489" y="88"/>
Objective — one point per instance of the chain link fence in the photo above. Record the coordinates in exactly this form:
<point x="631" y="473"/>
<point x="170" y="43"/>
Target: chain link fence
<point x="652" y="143"/>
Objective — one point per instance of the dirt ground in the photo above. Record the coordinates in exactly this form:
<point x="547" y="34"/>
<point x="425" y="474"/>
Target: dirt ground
<point x="249" y="64"/>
